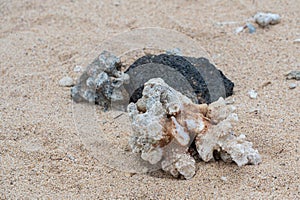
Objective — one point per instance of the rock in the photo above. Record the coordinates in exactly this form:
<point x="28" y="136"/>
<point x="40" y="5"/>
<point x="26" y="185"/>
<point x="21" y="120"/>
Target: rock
<point x="292" y="85"/>
<point x="77" y="68"/>
<point x="251" y="28"/>
<point x="224" y="178"/>
<point x="297" y="40"/>
<point x="293" y="75"/>
<point x="128" y="175"/>
<point x="266" y="19"/>
<point x="196" y="78"/>
<point x="66" y="82"/>
<point x="166" y="123"/>
<point x="239" y="29"/>
<point x="102" y="82"/>
<point x="252" y="94"/>
<point x="175" y="51"/>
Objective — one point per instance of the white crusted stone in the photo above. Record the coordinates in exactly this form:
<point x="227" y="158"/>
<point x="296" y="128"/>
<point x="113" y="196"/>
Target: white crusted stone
<point x="265" y="19"/>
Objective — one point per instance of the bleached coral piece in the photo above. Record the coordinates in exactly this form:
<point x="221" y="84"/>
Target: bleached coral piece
<point x="165" y="123"/>
<point x="265" y="19"/>
<point x="101" y="82"/>
<point x="219" y="137"/>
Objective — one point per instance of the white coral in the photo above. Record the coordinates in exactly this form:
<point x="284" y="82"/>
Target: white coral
<point x="165" y="123"/>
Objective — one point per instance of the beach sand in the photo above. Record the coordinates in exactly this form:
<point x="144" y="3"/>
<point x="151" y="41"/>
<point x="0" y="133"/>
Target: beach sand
<point x="42" y="155"/>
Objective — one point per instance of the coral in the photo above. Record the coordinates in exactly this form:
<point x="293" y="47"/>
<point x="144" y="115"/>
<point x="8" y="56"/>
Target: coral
<point x="165" y="124"/>
<point x="266" y="19"/>
<point x="102" y="81"/>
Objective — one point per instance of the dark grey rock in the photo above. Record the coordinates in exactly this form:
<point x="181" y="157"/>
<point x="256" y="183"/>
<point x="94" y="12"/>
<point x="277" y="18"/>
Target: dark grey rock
<point x="293" y="75"/>
<point x="196" y="78"/>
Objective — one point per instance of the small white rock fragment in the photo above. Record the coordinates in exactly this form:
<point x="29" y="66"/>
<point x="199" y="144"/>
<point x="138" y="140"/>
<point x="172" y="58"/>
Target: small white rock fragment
<point x="224" y="178"/>
<point x="175" y="51"/>
<point x="297" y="40"/>
<point x="266" y="19"/>
<point x="251" y="28"/>
<point x="239" y="29"/>
<point x="292" y="85"/>
<point x="128" y="175"/>
<point x="252" y="94"/>
<point x="66" y="82"/>
<point x="78" y="68"/>
<point x="71" y="157"/>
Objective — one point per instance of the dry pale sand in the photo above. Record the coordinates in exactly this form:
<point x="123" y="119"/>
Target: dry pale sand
<point x="41" y="152"/>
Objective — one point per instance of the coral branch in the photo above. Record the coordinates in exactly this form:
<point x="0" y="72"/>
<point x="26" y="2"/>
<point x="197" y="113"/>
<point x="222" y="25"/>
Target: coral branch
<point x="165" y="123"/>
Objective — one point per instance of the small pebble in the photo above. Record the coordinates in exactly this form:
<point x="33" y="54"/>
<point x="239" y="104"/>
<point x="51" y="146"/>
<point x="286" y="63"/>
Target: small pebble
<point x="251" y="28"/>
<point x="292" y="85"/>
<point x="252" y="94"/>
<point x="71" y="158"/>
<point x="266" y="19"/>
<point x="223" y="178"/>
<point x="297" y="40"/>
<point x="77" y="68"/>
<point x="230" y="100"/>
<point x="175" y="51"/>
<point x="293" y="75"/>
<point x="239" y="29"/>
<point x="128" y="174"/>
<point x="66" y="82"/>
<point x="254" y="110"/>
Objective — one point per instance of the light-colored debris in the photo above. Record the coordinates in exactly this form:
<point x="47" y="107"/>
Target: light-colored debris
<point x="297" y="40"/>
<point x="239" y="29"/>
<point x="292" y="85"/>
<point x="66" y="82"/>
<point x="224" y="178"/>
<point x="72" y="158"/>
<point x="175" y="51"/>
<point x="78" y="68"/>
<point x="251" y="28"/>
<point x="252" y="94"/>
<point x="266" y="19"/>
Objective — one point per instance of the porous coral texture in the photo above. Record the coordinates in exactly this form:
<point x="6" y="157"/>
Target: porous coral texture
<point x="165" y="123"/>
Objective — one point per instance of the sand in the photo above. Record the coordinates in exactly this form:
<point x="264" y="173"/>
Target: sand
<point x="41" y="151"/>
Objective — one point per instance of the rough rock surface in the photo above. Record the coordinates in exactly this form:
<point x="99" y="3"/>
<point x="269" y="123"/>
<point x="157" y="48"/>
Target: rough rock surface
<point x="293" y="75"/>
<point x="206" y="83"/>
<point x="165" y="124"/>
<point x="266" y="19"/>
<point x="102" y="82"/>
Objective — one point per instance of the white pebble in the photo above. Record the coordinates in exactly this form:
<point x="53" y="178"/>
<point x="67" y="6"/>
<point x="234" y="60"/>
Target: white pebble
<point x="66" y="82"/>
<point x="252" y="94"/>
<point x="292" y="85"/>
<point x="77" y="68"/>
<point x="71" y="158"/>
<point x="175" y="51"/>
<point x="265" y="19"/>
<point x="239" y="29"/>
<point x="223" y="178"/>
<point x="297" y="40"/>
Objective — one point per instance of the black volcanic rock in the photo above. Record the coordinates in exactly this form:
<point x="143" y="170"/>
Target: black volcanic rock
<point x="196" y="78"/>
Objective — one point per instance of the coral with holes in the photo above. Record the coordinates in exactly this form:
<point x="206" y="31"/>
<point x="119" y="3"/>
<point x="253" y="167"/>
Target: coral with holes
<point x="166" y="123"/>
<point x="102" y="81"/>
